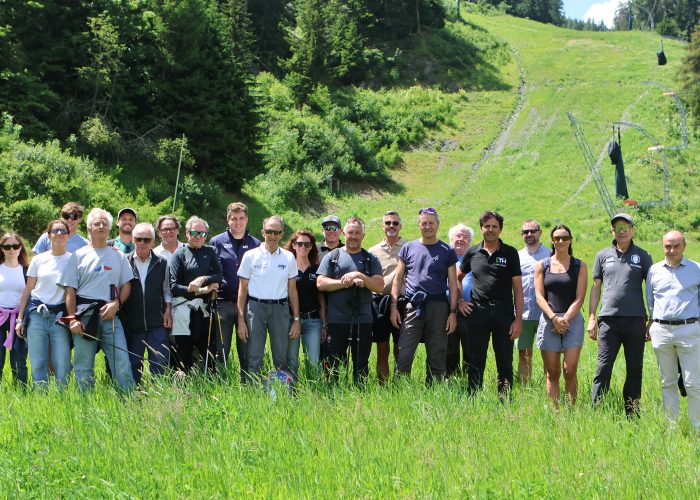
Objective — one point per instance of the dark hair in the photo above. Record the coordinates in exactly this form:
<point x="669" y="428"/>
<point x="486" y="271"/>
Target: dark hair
<point x="23" y="256"/>
<point x="565" y="228"/>
<point x="163" y="218"/>
<point x="313" y="253"/>
<point x="489" y="214"/>
<point x="54" y="222"/>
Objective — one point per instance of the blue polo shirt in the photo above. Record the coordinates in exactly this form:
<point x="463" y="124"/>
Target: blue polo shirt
<point x="231" y="252"/>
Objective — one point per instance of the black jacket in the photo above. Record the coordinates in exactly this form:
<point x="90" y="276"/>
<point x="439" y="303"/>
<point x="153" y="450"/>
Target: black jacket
<point x="144" y="311"/>
<point x="189" y="263"/>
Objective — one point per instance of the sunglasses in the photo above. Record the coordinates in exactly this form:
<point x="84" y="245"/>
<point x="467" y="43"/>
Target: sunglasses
<point x="167" y="229"/>
<point x="276" y="232"/>
<point x="201" y="234"/>
<point x="142" y="240"/>
<point x="58" y="230"/>
<point x="561" y="238"/>
<point x="331" y="228"/>
<point x="72" y="215"/>
<point x="11" y="246"/>
<point x="530" y="231"/>
<point x="300" y="244"/>
<point x="391" y="223"/>
<point x="429" y="210"/>
<point x="622" y="228"/>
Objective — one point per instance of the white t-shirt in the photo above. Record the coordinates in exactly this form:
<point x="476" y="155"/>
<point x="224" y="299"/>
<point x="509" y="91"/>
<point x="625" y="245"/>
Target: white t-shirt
<point x="47" y="269"/>
<point x="268" y="272"/>
<point x="11" y="285"/>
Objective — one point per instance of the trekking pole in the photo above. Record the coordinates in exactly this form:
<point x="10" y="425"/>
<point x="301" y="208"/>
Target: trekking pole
<point x="221" y="333"/>
<point x="113" y="346"/>
<point x="206" y="359"/>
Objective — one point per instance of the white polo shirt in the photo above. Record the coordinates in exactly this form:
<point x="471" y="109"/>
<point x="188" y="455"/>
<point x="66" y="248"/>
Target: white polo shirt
<point x="267" y="273"/>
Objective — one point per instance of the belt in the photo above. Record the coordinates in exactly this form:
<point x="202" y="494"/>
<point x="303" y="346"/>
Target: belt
<point x="676" y="321"/>
<point x="310" y="315"/>
<point x="492" y="303"/>
<point x="268" y="301"/>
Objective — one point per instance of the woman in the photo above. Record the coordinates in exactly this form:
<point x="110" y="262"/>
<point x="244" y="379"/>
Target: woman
<point x="195" y="272"/>
<point x="42" y="302"/>
<point x="560" y="288"/>
<point x="312" y="305"/>
<point x="13" y="267"/>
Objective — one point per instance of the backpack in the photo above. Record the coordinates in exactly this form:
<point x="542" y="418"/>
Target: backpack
<point x="335" y="260"/>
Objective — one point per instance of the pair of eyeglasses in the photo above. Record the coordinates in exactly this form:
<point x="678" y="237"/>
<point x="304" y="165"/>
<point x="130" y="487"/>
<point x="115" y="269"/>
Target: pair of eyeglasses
<point x="11" y="246"/>
<point x="622" y="228"/>
<point x="72" y="216"/>
<point x="167" y="229"/>
<point x="428" y="210"/>
<point x="58" y="230"/>
<point x="201" y="234"/>
<point x="276" y="232"/>
<point x="300" y="244"/>
<point x="331" y="228"/>
<point x="100" y="223"/>
<point x="391" y="223"/>
<point x="142" y="240"/>
<point x="558" y="239"/>
<point x="530" y="231"/>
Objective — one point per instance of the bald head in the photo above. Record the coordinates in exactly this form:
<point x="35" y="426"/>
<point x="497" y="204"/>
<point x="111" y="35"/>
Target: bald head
<point x="674" y="246"/>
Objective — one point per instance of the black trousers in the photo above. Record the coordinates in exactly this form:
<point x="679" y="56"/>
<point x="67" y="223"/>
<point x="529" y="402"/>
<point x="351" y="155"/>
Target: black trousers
<point x="357" y="337"/>
<point x="483" y="323"/>
<point x="614" y="332"/>
<point x="459" y="339"/>
<point x="201" y="338"/>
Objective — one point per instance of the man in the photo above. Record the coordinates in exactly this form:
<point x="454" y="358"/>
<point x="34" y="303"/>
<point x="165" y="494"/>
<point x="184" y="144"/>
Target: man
<point x="72" y="215"/>
<point x="232" y="244"/>
<point x="533" y="252"/>
<point x="673" y="297"/>
<point x="148" y="313"/>
<point x="460" y="237"/>
<point x="126" y="220"/>
<point x="168" y="227"/>
<point x="331" y="235"/>
<point x="98" y="282"/>
<point x="496" y="286"/>
<point x="387" y="251"/>
<point x="619" y="270"/>
<point x="427" y="266"/>
<point x="349" y="275"/>
<point x="267" y="289"/>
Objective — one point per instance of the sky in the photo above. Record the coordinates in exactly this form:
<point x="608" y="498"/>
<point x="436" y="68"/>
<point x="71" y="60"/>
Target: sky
<point x="594" y="9"/>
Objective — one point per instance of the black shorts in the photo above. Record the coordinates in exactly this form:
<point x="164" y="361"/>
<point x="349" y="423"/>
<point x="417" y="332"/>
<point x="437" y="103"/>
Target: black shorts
<point x="382" y="329"/>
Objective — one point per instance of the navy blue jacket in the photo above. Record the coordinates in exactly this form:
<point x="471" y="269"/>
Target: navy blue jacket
<point x="231" y="253"/>
<point x="143" y="312"/>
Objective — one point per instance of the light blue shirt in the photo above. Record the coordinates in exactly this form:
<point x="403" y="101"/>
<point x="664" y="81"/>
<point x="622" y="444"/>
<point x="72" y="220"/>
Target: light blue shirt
<point x="673" y="293"/>
<point x="531" y="311"/>
<point x="43" y="244"/>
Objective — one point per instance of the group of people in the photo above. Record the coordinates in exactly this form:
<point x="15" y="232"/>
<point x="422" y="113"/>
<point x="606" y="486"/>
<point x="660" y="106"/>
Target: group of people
<point x="182" y="305"/>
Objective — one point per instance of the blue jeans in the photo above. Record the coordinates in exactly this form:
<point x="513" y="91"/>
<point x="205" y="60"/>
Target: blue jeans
<point x="42" y="332"/>
<point x="311" y="339"/>
<point x="111" y="343"/>
<point x="18" y="355"/>
<point x="156" y="343"/>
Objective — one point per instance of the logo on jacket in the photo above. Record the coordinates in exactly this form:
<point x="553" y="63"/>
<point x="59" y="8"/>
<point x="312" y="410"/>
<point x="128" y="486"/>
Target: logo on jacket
<point x="501" y="261"/>
<point x="281" y="266"/>
<point x="635" y="259"/>
<point x="99" y="269"/>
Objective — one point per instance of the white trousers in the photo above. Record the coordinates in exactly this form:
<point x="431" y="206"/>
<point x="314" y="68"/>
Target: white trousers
<point x="673" y="343"/>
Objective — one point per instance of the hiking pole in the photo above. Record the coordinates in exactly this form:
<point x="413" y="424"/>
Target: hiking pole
<point x="114" y="346"/>
<point x="206" y="359"/>
<point x="221" y="333"/>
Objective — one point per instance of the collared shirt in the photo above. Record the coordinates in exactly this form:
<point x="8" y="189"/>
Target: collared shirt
<point x="531" y="311"/>
<point x="161" y="251"/>
<point x="673" y="293"/>
<point x="268" y="273"/>
<point x="231" y="251"/>
<point x="622" y="275"/>
<point x="388" y="256"/>
<point x="492" y="275"/>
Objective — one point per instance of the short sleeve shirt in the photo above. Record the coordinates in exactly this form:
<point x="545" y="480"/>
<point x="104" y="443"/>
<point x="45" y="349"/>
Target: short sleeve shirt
<point x="92" y="272"/>
<point x="47" y="269"/>
<point x="388" y="256"/>
<point x="531" y="311"/>
<point x="622" y="275"/>
<point x="76" y="241"/>
<point x="492" y="275"/>
<point x="339" y="307"/>
<point x="268" y="273"/>
<point x="427" y="266"/>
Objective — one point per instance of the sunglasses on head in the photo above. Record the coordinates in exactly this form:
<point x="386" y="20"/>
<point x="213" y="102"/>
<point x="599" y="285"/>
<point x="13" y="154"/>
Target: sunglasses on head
<point x="11" y="246"/>
<point x="138" y="239"/>
<point x="72" y="215"/>
<point x="530" y="231"/>
<point x="194" y="234"/>
<point x="331" y="228"/>
<point x="300" y="244"/>
<point x="276" y="232"/>
<point x="58" y="230"/>
<point x="391" y="223"/>
<point x="428" y="210"/>
<point x="561" y="238"/>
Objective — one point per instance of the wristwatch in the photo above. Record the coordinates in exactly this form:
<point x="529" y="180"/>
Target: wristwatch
<point x="297" y="318"/>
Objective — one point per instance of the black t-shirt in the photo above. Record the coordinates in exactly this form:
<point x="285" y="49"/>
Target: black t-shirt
<point x="492" y="275"/>
<point x="307" y="291"/>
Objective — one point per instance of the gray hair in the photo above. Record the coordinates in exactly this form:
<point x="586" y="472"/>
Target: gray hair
<point x="96" y="212"/>
<point x="195" y="220"/>
<point x="392" y="212"/>
<point x="145" y="225"/>
<point x="355" y="220"/>
<point x="460" y="227"/>
<point x="278" y="218"/>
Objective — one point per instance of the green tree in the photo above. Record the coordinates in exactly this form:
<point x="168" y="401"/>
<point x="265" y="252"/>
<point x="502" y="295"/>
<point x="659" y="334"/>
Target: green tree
<point x="690" y="74"/>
